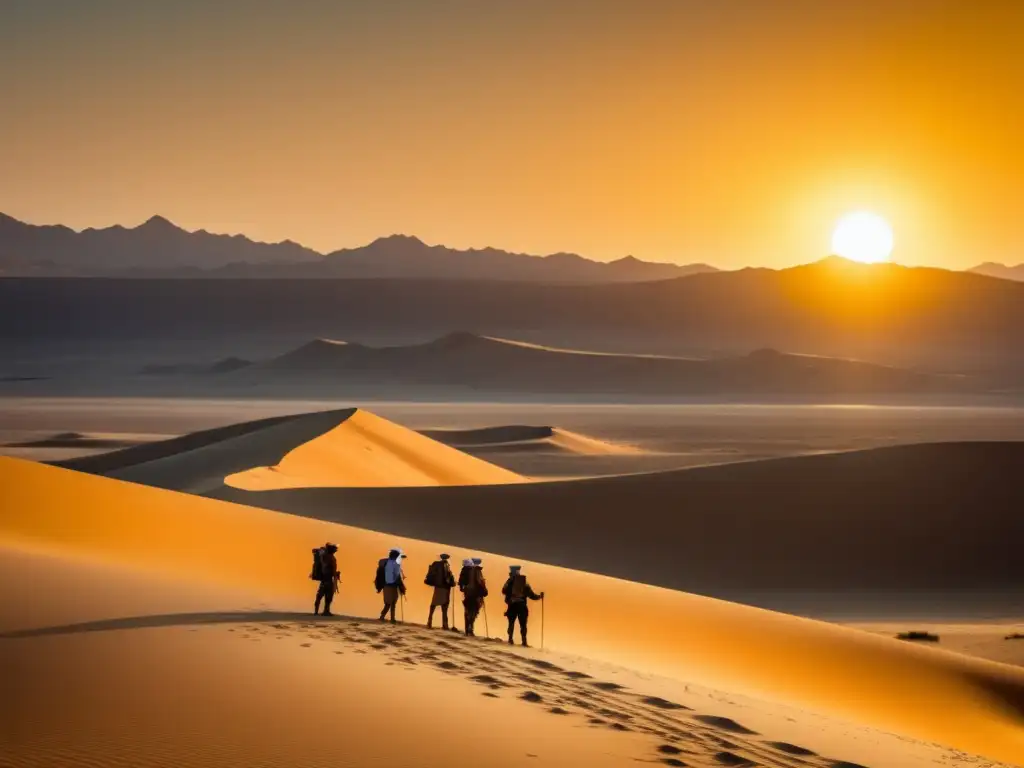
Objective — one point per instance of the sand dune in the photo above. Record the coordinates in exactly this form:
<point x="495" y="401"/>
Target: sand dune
<point x="501" y="365"/>
<point x="323" y="449"/>
<point x="226" y="693"/>
<point x="364" y="450"/>
<point x="528" y="438"/>
<point x="885" y="519"/>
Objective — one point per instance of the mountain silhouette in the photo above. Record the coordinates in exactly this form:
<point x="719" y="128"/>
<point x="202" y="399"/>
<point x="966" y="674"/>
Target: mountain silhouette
<point x="1002" y="271"/>
<point x="921" y="318"/>
<point x="155" y="246"/>
<point x="159" y="248"/>
<point x="485" y="363"/>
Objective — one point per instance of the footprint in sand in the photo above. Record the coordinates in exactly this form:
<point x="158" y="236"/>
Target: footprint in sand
<point x="558" y="711"/>
<point x="608" y="686"/>
<point x="305" y="645"/>
<point x="577" y="675"/>
<point x="488" y="680"/>
<point x="731" y="758"/>
<point x="660" y="703"/>
<point x="791" y="749"/>
<point x="531" y="696"/>
<point x="725" y="724"/>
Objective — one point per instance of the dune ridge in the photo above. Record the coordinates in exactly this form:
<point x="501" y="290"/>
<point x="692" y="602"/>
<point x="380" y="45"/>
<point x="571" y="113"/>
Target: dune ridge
<point x="964" y="703"/>
<point x="885" y="518"/>
<point x="364" y="450"/>
<point x="319" y="449"/>
<point x="489" y="363"/>
<point x="520" y="437"/>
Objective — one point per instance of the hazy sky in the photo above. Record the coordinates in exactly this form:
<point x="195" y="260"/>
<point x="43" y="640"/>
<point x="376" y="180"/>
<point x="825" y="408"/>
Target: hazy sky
<point x="729" y="131"/>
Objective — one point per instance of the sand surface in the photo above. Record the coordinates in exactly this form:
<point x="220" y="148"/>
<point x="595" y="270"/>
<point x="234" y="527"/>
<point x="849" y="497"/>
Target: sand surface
<point x="364" y="450"/>
<point x="921" y="694"/>
<point x="670" y="437"/>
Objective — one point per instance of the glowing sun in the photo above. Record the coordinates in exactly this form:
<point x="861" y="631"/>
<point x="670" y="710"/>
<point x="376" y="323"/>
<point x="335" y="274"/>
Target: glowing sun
<point x="862" y="236"/>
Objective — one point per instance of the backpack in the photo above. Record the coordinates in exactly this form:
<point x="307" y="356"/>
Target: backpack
<point x="435" y="575"/>
<point x="378" y="580"/>
<point x="317" y="572"/>
<point x="516" y="589"/>
<point x="476" y="586"/>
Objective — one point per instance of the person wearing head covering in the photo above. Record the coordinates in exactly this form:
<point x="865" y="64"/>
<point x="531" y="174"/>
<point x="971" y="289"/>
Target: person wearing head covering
<point x="474" y="591"/>
<point x="441" y="578"/>
<point x="393" y="582"/>
<point x="329" y="578"/>
<point x="517" y="591"/>
<point x="467" y="567"/>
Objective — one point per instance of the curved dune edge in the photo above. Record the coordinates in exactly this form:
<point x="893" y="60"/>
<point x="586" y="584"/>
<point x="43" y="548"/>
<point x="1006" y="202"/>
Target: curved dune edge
<point x="521" y="437"/>
<point x="365" y="450"/>
<point x="965" y="703"/>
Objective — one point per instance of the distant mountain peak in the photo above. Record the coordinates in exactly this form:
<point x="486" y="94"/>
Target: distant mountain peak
<point x="157" y="222"/>
<point x="398" y="239"/>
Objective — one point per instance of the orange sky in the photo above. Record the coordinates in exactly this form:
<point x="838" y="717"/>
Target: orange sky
<point x="733" y="132"/>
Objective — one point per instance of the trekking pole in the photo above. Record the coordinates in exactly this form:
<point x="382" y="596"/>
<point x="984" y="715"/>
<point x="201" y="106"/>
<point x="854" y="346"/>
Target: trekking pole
<point x="403" y="609"/>
<point x="542" y="622"/>
<point x="487" y="627"/>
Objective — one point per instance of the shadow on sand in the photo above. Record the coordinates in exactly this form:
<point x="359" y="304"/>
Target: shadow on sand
<point x="170" y="620"/>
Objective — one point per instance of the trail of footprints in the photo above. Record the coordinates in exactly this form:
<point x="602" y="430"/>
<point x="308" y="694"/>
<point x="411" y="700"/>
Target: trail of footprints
<point x="682" y="736"/>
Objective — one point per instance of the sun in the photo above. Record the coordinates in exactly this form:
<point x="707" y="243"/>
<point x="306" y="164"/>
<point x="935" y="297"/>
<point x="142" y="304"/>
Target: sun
<point x="862" y="236"/>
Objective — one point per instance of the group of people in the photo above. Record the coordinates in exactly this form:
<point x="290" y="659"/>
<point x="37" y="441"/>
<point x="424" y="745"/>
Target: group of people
<point x="390" y="582"/>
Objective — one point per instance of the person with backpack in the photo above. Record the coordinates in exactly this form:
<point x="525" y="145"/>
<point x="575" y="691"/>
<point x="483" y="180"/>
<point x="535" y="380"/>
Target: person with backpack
<point x="517" y="591"/>
<point x="390" y="581"/>
<point x="325" y="571"/>
<point x="474" y="592"/>
<point x="441" y="578"/>
<point x="467" y="567"/>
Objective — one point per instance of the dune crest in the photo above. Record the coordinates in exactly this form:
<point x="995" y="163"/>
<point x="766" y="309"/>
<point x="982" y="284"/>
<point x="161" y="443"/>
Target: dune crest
<point x="530" y="438"/>
<point x="923" y="693"/>
<point x="365" y="450"/>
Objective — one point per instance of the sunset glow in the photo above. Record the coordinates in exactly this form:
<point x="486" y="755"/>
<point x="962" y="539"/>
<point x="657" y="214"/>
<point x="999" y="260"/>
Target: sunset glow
<point x="862" y="236"/>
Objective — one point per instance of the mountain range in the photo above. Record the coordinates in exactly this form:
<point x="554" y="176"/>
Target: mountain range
<point x="922" y="318"/>
<point x="488" y="364"/>
<point x="158" y="248"/>
<point x="1002" y="271"/>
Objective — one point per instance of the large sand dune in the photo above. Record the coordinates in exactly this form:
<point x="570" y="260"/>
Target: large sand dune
<point x="223" y="555"/>
<point x="345" y="447"/>
<point x="938" y="516"/>
<point x="491" y="364"/>
<point x="880" y="519"/>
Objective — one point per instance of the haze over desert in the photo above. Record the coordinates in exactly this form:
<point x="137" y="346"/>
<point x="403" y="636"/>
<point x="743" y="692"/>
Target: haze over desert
<point x="527" y="384"/>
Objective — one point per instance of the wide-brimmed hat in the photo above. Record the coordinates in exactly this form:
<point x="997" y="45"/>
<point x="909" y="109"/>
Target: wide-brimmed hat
<point x="445" y="556"/>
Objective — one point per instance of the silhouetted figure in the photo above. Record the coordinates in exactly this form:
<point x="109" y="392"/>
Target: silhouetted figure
<point x="474" y="590"/>
<point x="517" y="591"/>
<point x="441" y="578"/>
<point x="328" y="577"/>
<point x="390" y="577"/>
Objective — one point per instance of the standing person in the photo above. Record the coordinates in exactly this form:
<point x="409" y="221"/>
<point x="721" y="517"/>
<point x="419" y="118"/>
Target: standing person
<point x="517" y="591"/>
<point x="467" y="567"/>
<point x="329" y="576"/>
<point x="441" y="578"/>
<point x="474" y="591"/>
<point x="393" y="583"/>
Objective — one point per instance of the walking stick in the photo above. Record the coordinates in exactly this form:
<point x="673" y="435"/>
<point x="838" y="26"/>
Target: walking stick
<point x="403" y="609"/>
<point x="487" y="627"/>
<point x="542" y="622"/>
